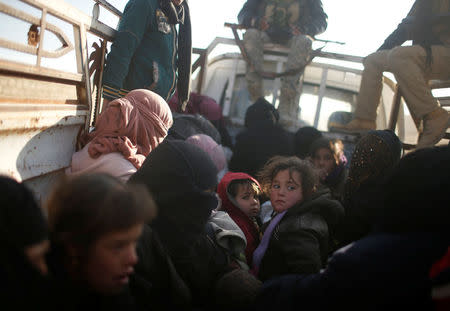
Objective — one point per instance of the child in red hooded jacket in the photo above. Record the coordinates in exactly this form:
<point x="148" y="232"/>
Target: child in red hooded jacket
<point x="239" y="194"/>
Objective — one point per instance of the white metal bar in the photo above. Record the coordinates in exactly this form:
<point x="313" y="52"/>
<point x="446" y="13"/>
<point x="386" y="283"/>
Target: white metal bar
<point x="230" y="89"/>
<point x="41" y="37"/>
<point x="322" y="89"/>
<point x="276" y="83"/>
<point x="74" y="16"/>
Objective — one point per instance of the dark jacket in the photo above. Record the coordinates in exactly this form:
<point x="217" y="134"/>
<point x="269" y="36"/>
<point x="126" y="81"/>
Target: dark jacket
<point x="311" y="19"/>
<point x="134" y="62"/>
<point x="156" y="284"/>
<point x="427" y="23"/>
<point x="336" y="182"/>
<point x="24" y="288"/>
<point x="380" y="272"/>
<point x="300" y="241"/>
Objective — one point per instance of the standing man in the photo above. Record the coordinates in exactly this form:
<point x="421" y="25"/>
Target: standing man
<point x="293" y="23"/>
<point x="428" y="25"/>
<point x="148" y="53"/>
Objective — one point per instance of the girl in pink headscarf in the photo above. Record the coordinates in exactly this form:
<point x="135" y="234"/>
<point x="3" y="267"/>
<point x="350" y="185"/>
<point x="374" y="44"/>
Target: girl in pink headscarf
<point x="126" y="132"/>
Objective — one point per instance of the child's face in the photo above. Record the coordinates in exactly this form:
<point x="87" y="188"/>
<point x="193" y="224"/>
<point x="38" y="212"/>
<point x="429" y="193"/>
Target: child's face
<point x="323" y="160"/>
<point x="110" y="260"/>
<point x="247" y="200"/>
<point x="286" y="190"/>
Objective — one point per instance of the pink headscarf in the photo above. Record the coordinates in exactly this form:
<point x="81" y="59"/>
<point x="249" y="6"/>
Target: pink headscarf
<point x="207" y="144"/>
<point x="133" y="126"/>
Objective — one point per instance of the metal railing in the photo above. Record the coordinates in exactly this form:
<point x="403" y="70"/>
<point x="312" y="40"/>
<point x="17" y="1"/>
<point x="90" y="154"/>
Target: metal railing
<point x="81" y="23"/>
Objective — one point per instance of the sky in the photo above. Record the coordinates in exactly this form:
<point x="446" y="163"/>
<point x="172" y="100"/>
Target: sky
<point x="361" y="24"/>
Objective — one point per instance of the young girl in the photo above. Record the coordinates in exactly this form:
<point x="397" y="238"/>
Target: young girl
<point x="328" y="156"/>
<point x="239" y="195"/>
<point x="95" y="222"/>
<point x="296" y="239"/>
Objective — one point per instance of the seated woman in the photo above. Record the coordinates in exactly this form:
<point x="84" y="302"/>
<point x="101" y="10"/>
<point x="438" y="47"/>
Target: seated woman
<point x="261" y="139"/>
<point x="23" y="230"/>
<point x="375" y="155"/>
<point x="126" y="132"/>
<point x="328" y="157"/>
<point x="183" y="178"/>
<point x="95" y="221"/>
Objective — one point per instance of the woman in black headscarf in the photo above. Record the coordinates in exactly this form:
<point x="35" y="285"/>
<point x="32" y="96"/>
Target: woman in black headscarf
<point x="374" y="157"/>
<point x="23" y="232"/>
<point x="262" y="139"/>
<point x="182" y="179"/>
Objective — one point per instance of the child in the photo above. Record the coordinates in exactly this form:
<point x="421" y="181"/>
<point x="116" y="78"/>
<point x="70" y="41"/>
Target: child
<point x="239" y="194"/>
<point x="95" y="221"/>
<point x="328" y="156"/>
<point x="296" y="239"/>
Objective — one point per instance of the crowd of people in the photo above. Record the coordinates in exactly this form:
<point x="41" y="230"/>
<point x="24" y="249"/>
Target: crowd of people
<point x="161" y="210"/>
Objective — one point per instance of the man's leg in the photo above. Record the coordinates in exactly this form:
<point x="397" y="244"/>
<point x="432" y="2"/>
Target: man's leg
<point x="254" y="45"/>
<point x="369" y="94"/>
<point x="408" y="64"/>
<point x="300" y="51"/>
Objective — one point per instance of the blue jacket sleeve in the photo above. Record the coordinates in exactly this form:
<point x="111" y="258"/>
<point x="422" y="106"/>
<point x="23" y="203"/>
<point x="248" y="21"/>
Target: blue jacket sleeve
<point x="135" y="21"/>
<point x="402" y="33"/>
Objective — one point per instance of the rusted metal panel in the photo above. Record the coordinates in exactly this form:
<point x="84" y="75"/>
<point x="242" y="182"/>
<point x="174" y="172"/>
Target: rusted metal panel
<point x="37" y="141"/>
<point x="42" y="110"/>
<point x="24" y="90"/>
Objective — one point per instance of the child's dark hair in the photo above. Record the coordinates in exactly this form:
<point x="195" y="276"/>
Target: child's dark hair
<point x="336" y="146"/>
<point x="234" y="186"/>
<point x="308" y="175"/>
<point x="83" y="208"/>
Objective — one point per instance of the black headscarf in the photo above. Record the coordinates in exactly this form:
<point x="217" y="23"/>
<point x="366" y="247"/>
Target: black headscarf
<point x="261" y="114"/>
<point x="375" y="156"/>
<point x="303" y="139"/>
<point x="179" y="175"/>
<point x="180" y="15"/>
<point x="186" y="125"/>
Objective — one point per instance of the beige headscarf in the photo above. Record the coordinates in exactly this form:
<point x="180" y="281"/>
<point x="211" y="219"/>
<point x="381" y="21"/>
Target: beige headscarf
<point x="133" y="126"/>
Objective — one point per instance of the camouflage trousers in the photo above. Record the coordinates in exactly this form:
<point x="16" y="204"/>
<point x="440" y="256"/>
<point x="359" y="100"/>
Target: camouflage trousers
<point x="408" y="64"/>
<point x="300" y="48"/>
